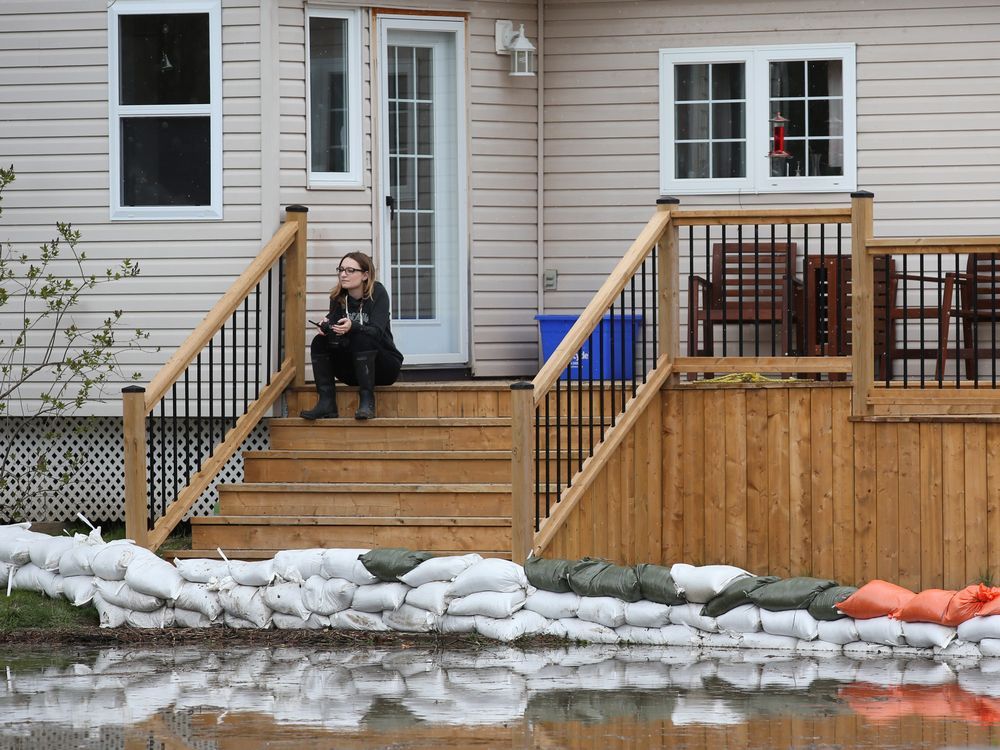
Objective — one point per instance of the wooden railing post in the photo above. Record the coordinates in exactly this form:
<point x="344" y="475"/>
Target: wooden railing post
<point x="523" y="471"/>
<point x="295" y="294"/>
<point x="862" y="302"/>
<point x="136" y="492"/>
<point x="668" y="304"/>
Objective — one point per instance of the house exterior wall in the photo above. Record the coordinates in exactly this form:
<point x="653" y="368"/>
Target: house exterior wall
<point x="928" y="143"/>
<point x="503" y="176"/>
<point x="54" y="114"/>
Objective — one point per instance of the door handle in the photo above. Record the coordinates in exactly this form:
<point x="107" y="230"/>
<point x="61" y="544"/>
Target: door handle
<point x="391" y="203"/>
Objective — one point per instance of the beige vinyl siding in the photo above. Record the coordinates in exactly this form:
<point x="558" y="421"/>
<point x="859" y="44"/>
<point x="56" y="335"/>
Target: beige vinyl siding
<point x="928" y="85"/>
<point x="54" y="110"/>
<point x="502" y="183"/>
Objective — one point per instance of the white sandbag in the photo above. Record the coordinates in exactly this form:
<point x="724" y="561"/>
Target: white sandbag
<point x="186" y="618"/>
<point x="604" y="610"/>
<point x="487" y="604"/>
<point x="641" y="636"/>
<point x="960" y="650"/>
<point x="352" y="619"/>
<point x="431" y="596"/>
<point x="742" y="619"/>
<point x="863" y="649"/>
<point x="768" y="642"/>
<point x="257" y="573"/>
<point x="76" y="561"/>
<point x="491" y="574"/>
<point x="928" y="634"/>
<point x="643" y="614"/>
<point x="110" y="615"/>
<point x="680" y="635"/>
<point x="552" y="605"/>
<point x="379" y="597"/>
<point x="287" y="599"/>
<point x="796" y="623"/>
<point x="110" y="562"/>
<point x="245" y="603"/>
<point x="238" y="623"/>
<point x="344" y="563"/>
<point x="45" y="553"/>
<point x="410" y="619"/>
<point x="325" y="596"/>
<point x="79" y="590"/>
<point x="881" y="630"/>
<point x="202" y="570"/>
<point x="32" y="578"/>
<point x="299" y="564"/>
<point x="690" y="615"/>
<point x="705" y="582"/>
<point x="818" y="647"/>
<point x="283" y="621"/>
<point x="122" y="595"/>
<point x="452" y="625"/>
<point x="721" y="640"/>
<point x="972" y="630"/>
<point x="16" y="542"/>
<point x="989" y="646"/>
<point x="149" y="574"/>
<point x="161" y="618"/>
<point x="439" y="569"/>
<point x="840" y="631"/>
<point x="520" y="624"/>
<point x="198" y="597"/>
<point x="581" y="630"/>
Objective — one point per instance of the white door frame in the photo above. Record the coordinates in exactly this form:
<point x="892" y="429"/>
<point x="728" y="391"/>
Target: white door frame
<point x="456" y="27"/>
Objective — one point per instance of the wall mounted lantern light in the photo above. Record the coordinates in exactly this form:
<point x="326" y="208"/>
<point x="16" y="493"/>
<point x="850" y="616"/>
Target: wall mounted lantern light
<point x="515" y="44"/>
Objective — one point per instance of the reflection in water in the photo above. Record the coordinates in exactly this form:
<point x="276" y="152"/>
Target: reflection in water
<point x="580" y="697"/>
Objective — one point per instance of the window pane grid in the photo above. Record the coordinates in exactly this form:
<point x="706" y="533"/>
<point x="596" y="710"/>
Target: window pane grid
<point x="801" y="92"/>
<point x="710" y="122"/>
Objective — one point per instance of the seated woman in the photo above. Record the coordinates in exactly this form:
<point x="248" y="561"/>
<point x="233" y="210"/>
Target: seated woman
<point x="354" y="343"/>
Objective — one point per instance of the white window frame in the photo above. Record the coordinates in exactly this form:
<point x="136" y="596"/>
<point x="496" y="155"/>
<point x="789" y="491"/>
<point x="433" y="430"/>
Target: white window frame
<point x="353" y="177"/>
<point x="213" y="109"/>
<point x="758" y="131"/>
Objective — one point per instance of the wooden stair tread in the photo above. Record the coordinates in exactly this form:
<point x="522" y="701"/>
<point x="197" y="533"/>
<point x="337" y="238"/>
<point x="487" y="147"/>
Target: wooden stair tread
<point x="364" y="487"/>
<point x="380" y="454"/>
<point x="395" y="422"/>
<point x="350" y="521"/>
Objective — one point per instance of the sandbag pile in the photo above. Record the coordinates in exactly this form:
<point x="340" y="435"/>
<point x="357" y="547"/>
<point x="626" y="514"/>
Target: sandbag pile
<point x="587" y="600"/>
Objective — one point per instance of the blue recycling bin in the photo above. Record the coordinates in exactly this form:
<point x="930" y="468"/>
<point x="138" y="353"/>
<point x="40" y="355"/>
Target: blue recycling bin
<point x="595" y="356"/>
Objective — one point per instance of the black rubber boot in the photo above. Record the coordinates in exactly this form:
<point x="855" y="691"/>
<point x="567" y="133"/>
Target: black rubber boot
<point x="326" y="407"/>
<point x="364" y="371"/>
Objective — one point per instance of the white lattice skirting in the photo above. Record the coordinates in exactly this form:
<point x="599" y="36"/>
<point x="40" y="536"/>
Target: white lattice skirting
<point x="96" y="487"/>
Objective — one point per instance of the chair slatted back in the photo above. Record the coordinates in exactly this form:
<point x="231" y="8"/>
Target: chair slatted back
<point x="980" y="296"/>
<point x="750" y="280"/>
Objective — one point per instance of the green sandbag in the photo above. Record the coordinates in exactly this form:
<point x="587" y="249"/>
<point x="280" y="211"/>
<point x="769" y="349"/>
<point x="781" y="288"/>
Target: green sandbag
<point x="656" y="584"/>
<point x="593" y="577"/>
<point x="822" y="606"/>
<point x="548" y="575"/>
<point x="389" y="563"/>
<point x="790" y="593"/>
<point x="735" y="594"/>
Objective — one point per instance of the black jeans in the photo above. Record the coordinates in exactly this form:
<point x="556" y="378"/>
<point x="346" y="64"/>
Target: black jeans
<point x="341" y="350"/>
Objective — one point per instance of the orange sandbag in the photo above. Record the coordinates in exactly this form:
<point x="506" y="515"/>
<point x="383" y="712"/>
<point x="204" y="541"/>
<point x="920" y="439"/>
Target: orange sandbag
<point x="992" y="608"/>
<point x="970" y="602"/>
<point x="875" y="599"/>
<point x="930" y="605"/>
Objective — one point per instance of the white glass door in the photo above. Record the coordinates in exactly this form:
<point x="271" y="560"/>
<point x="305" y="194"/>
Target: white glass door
<point x="424" y="258"/>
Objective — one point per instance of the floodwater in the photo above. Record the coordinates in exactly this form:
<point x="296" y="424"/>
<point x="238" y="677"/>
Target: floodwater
<point x="600" y="697"/>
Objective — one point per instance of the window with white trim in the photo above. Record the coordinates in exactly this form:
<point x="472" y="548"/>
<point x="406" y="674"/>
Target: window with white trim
<point x="334" y="97"/>
<point x="716" y="108"/>
<point x="165" y="93"/>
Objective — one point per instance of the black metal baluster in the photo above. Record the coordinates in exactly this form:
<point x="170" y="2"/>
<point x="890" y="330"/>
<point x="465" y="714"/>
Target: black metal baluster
<point x="786" y="296"/>
<point x="256" y="348"/>
<point x="163" y="457"/>
<point x="611" y="361"/>
<point x="548" y="455"/>
<point x="656" y="304"/>
<point x="559" y="457"/>
<point x="538" y="466"/>
<point x="633" y="323"/>
<point x="198" y="424"/>
<point x="590" y="391"/>
<point x="187" y="422"/>
<point x="150" y="468"/>
<point x="270" y="325"/>
<point x="739" y="287"/>
<point x="624" y="344"/>
<point x="569" y="423"/>
<point x="756" y="286"/>
<point x="222" y="383"/>
<point x="645" y="322"/>
<point x="579" y="409"/>
<point x="789" y="305"/>
<point x="974" y="325"/>
<point x="281" y="310"/>
<point x="993" y="321"/>
<point x="887" y="327"/>
<point x="174" y="435"/>
<point x="600" y="371"/>
<point x="923" y="342"/>
<point x="211" y="392"/>
<point x="773" y="288"/>
<point x="235" y="365"/>
<point x="246" y="354"/>
<point x="724" y="295"/>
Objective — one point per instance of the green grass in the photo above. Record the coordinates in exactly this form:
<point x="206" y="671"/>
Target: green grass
<point x="26" y="609"/>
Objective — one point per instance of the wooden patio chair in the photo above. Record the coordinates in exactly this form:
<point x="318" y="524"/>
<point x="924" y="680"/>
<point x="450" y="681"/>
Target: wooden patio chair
<point x="829" y="327"/>
<point x="748" y="284"/>
<point x="973" y="298"/>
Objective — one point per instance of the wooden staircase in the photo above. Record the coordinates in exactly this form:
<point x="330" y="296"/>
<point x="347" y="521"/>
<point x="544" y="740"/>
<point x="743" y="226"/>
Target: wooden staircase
<point x="431" y="472"/>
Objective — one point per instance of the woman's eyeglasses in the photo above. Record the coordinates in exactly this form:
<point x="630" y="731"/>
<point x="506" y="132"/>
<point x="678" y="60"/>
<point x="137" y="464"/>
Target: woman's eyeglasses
<point x="349" y="271"/>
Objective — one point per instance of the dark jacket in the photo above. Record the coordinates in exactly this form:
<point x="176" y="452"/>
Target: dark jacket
<point x="369" y="316"/>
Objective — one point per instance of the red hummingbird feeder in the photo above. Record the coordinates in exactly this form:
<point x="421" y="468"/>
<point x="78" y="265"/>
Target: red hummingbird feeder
<point x="778" y="130"/>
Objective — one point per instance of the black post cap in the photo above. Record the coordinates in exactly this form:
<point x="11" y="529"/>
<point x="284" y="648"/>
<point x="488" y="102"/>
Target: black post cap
<point x="862" y="194"/>
<point x="664" y="200"/>
<point x="134" y="389"/>
<point x="296" y="209"/>
<point x="522" y="385"/>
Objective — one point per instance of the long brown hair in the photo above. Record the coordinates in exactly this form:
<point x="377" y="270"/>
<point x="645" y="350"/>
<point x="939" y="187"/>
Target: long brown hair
<point x="367" y="266"/>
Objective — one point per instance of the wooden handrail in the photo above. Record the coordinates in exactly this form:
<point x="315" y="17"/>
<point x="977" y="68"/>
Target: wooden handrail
<point x="288" y="242"/>
<point x="932" y="245"/>
<point x="600" y="303"/>
<point x="732" y="217"/>
<point x="220" y="313"/>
